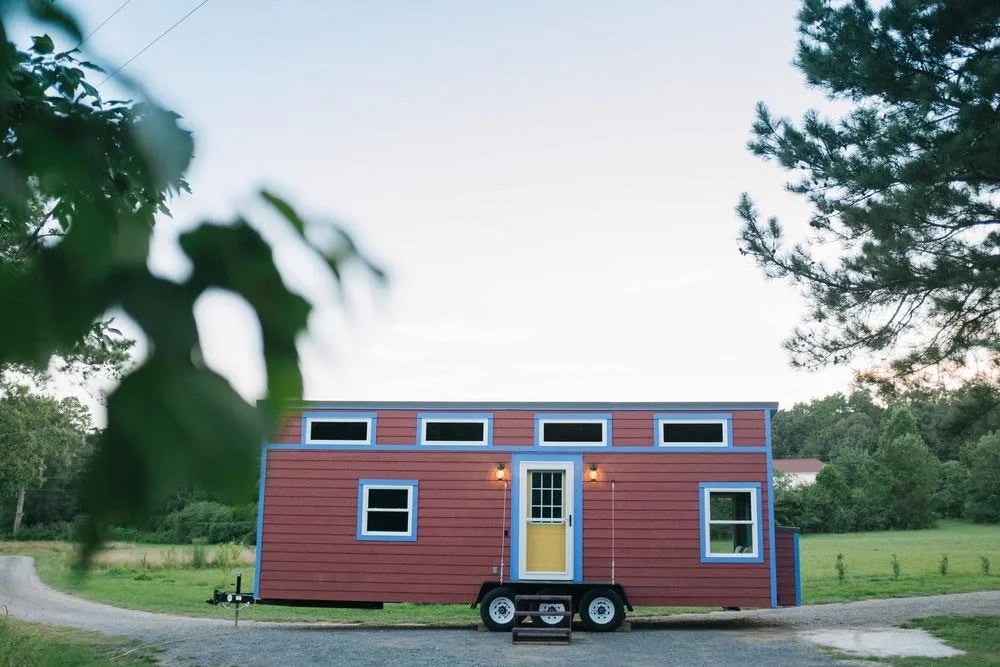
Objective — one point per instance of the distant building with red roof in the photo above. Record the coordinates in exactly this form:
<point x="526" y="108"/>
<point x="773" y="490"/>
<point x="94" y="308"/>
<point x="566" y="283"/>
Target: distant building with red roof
<point x="802" y="471"/>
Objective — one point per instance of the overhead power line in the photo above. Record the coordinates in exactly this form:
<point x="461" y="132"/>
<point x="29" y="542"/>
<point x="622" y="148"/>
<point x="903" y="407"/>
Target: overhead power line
<point x="158" y="38"/>
<point x="91" y="33"/>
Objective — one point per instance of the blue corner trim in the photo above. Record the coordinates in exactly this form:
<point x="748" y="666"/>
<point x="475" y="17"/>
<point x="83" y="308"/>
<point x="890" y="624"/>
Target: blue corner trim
<point x="486" y="417"/>
<point x="370" y="417"/>
<point x="260" y="522"/>
<point x="410" y="536"/>
<point x="515" y="510"/>
<point x="798" y="572"/>
<point x="706" y="557"/>
<point x="592" y="417"/>
<point x="658" y="420"/>
<point x="770" y="510"/>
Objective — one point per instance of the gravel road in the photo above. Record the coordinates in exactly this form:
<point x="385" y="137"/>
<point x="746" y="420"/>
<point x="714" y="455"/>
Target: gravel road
<point x="758" y="637"/>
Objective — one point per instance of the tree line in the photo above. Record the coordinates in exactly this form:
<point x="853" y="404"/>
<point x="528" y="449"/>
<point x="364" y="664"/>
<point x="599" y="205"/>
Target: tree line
<point x="899" y="464"/>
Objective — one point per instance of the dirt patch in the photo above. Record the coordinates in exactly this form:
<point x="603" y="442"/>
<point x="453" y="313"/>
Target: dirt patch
<point x="882" y="642"/>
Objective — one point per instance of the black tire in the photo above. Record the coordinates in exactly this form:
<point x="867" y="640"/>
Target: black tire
<point x="497" y="610"/>
<point x="602" y="610"/>
<point x="550" y="621"/>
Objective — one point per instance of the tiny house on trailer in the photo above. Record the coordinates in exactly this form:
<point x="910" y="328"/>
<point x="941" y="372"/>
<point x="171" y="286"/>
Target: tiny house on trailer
<point x="614" y="504"/>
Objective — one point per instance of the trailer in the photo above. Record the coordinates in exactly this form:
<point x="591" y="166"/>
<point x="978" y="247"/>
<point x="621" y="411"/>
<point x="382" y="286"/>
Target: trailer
<point x="608" y="505"/>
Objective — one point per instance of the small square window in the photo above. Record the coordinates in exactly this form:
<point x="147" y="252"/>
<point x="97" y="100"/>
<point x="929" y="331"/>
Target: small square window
<point x="730" y="530"/>
<point x="387" y="510"/>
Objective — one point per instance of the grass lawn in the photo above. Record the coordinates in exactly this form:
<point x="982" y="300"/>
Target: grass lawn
<point x="868" y="562"/>
<point x="25" y="644"/>
<point x="978" y="636"/>
<point x="161" y="579"/>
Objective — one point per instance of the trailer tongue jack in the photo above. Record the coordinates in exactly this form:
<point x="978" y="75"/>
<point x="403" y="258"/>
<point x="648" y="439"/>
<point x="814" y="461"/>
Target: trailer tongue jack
<point x="236" y="599"/>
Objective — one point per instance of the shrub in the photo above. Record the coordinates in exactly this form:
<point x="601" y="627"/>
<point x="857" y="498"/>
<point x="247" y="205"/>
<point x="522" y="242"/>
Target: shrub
<point x="943" y="565"/>
<point x="984" y="565"/>
<point x="199" y="557"/>
<point x="841" y="568"/>
<point x="895" y="567"/>
<point x="227" y="556"/>
<point x="212" y="523"/>
<point x="44" y="532"/>
<point x="170" y="560"/>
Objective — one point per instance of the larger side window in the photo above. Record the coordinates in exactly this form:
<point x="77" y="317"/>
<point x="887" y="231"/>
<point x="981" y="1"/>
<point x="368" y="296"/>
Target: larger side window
<point x="387" y="509"/>
<point x="731" y="522"/>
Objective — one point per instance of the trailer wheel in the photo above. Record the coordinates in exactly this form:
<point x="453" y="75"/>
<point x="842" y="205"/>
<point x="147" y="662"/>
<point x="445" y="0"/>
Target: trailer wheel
<point x="602" y="610"/>
<point x="542" y="619"/>
<point x="497" y="610"/>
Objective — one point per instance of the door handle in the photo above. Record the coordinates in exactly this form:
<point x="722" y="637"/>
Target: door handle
<point x="570" y="520"/>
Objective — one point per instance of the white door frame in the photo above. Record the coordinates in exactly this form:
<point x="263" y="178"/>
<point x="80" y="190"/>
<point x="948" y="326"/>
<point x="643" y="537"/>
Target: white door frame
<point x="569" y="486"/>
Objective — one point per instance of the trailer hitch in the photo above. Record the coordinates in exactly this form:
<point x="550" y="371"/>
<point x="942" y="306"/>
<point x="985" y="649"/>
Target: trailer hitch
<point x="236" y="599"/>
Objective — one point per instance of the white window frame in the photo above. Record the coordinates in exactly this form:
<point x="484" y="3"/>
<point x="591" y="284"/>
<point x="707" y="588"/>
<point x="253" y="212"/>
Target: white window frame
<point x="410" y="486"/>
<point x="605" y="423"/>
<point x="756" y="555"/>
<point x="424" y="420"/>
<point x="310" y="420"/>
<point x="724" y="422"/>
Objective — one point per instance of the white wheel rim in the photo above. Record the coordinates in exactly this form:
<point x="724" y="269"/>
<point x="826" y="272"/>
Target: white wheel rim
<point x="601" y="610"/>
<point x="502" y="610"/>
<point x="551" y="606"/>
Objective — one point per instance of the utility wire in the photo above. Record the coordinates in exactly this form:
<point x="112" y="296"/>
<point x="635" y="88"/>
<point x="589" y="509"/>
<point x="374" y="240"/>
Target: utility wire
<point x="91" y="34"/>
<point x="145" y="48"/>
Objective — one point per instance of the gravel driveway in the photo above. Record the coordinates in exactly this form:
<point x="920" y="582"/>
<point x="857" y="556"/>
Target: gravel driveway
<point x="758" y="637"/>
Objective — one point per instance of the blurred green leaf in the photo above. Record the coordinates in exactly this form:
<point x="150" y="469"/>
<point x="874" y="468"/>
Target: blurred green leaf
<point x="42" y="44"/>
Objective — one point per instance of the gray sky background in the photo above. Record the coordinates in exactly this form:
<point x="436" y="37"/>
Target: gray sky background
<point x="550" y="184"/>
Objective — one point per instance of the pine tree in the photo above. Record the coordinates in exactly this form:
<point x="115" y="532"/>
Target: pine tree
<point x="905" y="185"/>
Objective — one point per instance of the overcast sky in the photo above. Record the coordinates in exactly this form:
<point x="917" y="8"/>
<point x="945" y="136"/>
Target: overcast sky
<point x="550" y="185"/>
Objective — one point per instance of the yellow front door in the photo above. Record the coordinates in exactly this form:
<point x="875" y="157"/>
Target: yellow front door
<point x="545" y="528"/>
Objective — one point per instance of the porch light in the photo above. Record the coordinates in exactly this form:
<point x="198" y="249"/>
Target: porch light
<point x="500" y="472"/>
<point x="593" y="472"/>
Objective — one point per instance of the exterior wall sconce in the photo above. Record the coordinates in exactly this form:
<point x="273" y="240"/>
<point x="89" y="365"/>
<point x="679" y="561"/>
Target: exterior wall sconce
<point x="593" y="472"/>
<point x="500" y="472"/>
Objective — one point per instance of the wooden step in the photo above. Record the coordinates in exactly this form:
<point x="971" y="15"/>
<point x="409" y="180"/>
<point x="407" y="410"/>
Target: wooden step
<point x="533" y="635"/>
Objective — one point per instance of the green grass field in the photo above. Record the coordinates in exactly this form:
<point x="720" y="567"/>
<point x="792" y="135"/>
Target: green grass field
<point x="31" y="644"/>
<point x="161" y="579"/>
<point x="868" y="562"/>
<point x="978" y="636"/>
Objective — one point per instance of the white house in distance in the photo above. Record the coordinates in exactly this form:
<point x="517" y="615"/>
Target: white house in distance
<point x="802" y="471"/>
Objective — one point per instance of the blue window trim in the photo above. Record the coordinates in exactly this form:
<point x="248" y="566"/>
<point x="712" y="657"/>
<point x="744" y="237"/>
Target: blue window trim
<point x="755" y="488"/>
<point x="486" y="417"/>
<point x="516" y="523"/>
<point x="727" y="418"/>
<point x="589" y="417"/>
<point x="411" y="484"/>
<point x="370" y="417"/>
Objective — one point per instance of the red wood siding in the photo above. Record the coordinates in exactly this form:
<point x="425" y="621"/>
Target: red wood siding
<point x="657" y="529"/>
<point x="289" y="429"/>
<point x="396" y="427"/>
<point x="784" y="544"/>
<point x="309" y="548"/>
<point x="513" y="427"/>
<point x="631" y="428"/>
<point x="748" y="428"/>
